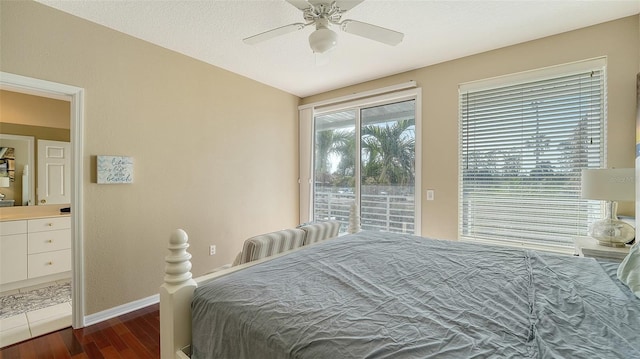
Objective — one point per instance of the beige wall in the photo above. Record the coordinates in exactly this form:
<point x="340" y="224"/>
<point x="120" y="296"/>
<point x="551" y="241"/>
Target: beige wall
<point x="39" y="133"/>
<point x="215" y="153"/>
<point x="618" y="40"/>
<point x="22" y="109"/>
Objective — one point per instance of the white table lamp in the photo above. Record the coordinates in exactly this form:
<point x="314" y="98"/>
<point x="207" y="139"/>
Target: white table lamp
<point x="611" y="185"/>
<point x="4" y="182"/>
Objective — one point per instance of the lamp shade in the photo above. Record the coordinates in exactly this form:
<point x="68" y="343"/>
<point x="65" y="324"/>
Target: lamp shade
<point x="614" y="184"/>
<point x="4" y="182"/>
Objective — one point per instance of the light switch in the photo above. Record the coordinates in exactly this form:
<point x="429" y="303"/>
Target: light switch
<point x="430" y="195"/>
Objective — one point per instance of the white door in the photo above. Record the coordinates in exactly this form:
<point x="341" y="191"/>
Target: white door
<point x="54" y="172"/>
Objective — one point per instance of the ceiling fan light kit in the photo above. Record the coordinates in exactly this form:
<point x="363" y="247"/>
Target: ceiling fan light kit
<point x="324" y="14"/>
<point x="323" y="39"/>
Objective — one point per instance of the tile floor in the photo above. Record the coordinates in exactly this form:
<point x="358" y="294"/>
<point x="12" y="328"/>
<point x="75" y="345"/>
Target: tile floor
<point x="34" y="311"/>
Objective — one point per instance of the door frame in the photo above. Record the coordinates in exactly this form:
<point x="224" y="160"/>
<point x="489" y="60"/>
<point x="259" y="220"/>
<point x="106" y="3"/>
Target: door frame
<point x="75" y="95"/>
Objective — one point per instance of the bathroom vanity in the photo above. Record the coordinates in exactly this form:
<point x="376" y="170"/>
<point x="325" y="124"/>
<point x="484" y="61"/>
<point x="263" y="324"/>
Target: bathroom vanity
<point x="35" y="247"/>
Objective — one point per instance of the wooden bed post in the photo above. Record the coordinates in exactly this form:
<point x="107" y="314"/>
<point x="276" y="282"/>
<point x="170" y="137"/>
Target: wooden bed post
<point x="175" y="298"/>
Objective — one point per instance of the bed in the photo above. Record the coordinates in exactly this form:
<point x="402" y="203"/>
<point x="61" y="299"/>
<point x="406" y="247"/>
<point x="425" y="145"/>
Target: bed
<point x="381" y="295"/>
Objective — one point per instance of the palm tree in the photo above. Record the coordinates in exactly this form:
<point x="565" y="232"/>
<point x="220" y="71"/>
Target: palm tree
<point x="329" y="142"/>
<point x="346" y="149"/>
<point x="389" y="153"/>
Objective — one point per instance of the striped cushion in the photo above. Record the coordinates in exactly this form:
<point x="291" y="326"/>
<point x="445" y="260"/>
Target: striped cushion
<point x="266" y="245"/>
<point x="320" y="231"/>
<point x="237" y="260"/>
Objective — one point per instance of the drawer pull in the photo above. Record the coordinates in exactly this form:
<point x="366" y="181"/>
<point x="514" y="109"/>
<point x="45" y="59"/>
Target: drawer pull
<point x="50" y="224"/>
<point x="49" y="263"/>
<point x="49" y="240"/>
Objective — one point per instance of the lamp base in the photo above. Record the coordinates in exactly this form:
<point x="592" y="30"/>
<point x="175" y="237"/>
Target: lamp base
<point x="611" y="244"/>
<point x="612" y="232"/>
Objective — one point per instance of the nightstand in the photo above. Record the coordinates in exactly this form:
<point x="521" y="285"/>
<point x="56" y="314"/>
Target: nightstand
<point x="589" y="247"/>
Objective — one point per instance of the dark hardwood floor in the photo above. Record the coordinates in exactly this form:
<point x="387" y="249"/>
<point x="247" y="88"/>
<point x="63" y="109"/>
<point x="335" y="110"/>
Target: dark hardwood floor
<point x="133" y="335"/>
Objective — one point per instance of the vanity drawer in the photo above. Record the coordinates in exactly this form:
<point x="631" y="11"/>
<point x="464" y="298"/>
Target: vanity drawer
<point x="13" y="227"/>
<point x="49" y="263"/>
<point x="49" y="241"/>
<point x="48" y="224"/>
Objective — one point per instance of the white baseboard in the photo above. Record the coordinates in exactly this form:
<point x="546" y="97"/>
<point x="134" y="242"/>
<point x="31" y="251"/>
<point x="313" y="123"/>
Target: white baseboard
<point x="120" y="310"/>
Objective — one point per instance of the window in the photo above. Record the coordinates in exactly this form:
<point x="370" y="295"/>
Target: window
<point x="524" y="140"/>
<point x="365" y="151"/>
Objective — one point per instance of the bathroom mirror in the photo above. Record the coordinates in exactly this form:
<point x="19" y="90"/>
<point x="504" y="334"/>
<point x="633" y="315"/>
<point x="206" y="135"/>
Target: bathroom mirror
<point x="8" y="162"/>
<point x="16" y="163"/>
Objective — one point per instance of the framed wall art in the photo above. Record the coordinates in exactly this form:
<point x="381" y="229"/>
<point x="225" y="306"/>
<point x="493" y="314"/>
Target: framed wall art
<point x="115" y="169"/>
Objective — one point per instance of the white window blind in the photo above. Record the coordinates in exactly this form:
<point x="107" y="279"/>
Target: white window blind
<point x="522" y="148"/>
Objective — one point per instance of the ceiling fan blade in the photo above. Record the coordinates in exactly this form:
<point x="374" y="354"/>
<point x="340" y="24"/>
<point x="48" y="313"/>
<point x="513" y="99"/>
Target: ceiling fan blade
<point x="251" y="40"/>
<point x="373" y="32"/>
<point x="346" y="5"/>
<point x="300" y="4"/>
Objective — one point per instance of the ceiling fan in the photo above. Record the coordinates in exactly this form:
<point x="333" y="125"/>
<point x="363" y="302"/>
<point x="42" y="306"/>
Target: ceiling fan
<point x="322" y="14"/>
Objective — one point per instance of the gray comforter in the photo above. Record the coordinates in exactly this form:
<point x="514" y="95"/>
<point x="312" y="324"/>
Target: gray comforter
<point x="377" y="295"/>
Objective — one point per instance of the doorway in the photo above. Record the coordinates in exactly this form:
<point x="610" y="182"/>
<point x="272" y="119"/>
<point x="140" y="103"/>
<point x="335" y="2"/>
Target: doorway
<point x="75" y="97"/>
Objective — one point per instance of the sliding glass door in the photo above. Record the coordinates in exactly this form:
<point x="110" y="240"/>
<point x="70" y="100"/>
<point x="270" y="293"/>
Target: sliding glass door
<point x="335" y="176"/>
<point x="367" y="154"/>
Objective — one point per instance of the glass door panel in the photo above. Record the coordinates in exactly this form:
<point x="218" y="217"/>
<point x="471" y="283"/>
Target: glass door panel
<point x="335" y="166"/>
<point x="388" y="145"/>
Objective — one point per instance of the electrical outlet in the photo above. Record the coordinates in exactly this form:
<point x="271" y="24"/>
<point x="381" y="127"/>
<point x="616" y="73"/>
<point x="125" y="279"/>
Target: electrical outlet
<point x="212" y="249"/>
<point x="430" y="195"/>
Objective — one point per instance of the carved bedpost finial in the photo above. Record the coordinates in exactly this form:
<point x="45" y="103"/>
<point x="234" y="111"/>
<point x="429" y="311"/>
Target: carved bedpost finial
<point x="178" y="268"/>
<point x="354" y="219"/>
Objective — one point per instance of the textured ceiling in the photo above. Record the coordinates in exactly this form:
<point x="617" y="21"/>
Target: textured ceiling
<point x="435" y="31"/>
